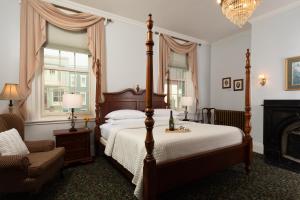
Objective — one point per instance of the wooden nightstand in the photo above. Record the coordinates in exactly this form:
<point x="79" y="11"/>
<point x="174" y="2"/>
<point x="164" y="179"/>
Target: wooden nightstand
<point x="77" y="145"/>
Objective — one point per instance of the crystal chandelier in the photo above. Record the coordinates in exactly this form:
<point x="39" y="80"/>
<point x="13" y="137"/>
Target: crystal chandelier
<point x="238" y="11"/>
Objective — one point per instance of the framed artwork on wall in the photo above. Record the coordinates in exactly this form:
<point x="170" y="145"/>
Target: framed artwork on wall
<point x="292" y="73"/>
<point x="238" y="85"/>
<point x="226" y="83"/>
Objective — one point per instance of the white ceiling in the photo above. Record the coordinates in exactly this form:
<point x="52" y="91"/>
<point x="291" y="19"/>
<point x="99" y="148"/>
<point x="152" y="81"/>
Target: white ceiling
<point x="201" y="19"/>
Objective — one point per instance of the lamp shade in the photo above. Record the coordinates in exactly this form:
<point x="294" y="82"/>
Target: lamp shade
<point x="72" y="101"/>
<point x="187" y="101"/>
<point x="10" y="92"/>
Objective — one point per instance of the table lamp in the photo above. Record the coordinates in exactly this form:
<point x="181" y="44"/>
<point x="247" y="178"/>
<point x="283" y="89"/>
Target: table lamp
<point x="10" y="92"/>
<point x="186" y="101"/>
<point x="72" y="101"/>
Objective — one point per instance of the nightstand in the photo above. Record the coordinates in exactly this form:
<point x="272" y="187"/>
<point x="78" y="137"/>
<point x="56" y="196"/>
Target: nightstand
<point x="77" y="145"/>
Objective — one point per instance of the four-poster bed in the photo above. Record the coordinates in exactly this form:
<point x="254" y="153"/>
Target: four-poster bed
<point x="163" y="176"/>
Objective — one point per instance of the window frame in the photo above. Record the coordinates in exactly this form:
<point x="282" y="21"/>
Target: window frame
<point x="176" y="81"/>
<point x="85" y="81"/>
<point x="44" y="113"/>
<point x="59" y="95"/>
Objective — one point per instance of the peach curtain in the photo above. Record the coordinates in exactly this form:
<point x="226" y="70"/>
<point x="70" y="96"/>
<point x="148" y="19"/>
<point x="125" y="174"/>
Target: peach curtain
<point x="35" y="15"/>
<point x="166" y="44"/>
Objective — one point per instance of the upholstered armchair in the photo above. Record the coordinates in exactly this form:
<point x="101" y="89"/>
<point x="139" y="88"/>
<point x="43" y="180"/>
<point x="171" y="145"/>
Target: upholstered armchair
<point x="28" y="173"/>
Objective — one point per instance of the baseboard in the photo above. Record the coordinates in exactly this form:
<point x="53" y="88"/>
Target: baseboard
<point x="258" y="147"/>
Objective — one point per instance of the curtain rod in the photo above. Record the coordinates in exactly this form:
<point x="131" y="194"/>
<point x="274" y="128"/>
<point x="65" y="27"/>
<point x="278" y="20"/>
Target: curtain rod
<point x="108" y="20"/>
<point x="176" y="38"/>
<point x="65" y="8"/>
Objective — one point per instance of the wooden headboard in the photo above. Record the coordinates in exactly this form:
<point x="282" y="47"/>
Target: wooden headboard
<point x="128" y="99"/>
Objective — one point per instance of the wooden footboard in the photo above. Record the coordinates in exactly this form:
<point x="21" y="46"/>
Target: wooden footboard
<point x="185" y="170"/>
<point x="178" y="172"/>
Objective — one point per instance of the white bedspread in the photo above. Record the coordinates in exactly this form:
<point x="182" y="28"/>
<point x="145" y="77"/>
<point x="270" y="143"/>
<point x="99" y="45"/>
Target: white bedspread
<point x="126" y="144"/>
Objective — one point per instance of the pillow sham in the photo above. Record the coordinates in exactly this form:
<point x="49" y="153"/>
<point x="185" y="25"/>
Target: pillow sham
<point x="137" y="121"/>
<point x="124" y="121"/>
<point x="125" y="114"/>
<point x="164" y="112"/>
<point x="11" y="144"/>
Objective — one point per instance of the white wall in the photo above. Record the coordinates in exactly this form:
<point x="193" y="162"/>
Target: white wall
<point x="204" y="71"/>
<point x="273" y="39"/>
<point x="228" y="60"/>
<point x="126" y="59"/>
<point x="10" y="44"/>
<point x="126" y="62"/>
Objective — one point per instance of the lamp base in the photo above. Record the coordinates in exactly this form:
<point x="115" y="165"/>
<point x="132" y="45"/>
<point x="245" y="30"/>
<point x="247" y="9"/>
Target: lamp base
<point x="10" y="107"/>
<point x="185" y="114"/>
<point x="72" y="129"/>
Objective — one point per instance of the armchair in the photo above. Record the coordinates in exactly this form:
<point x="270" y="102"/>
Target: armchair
<point x="28" y="173"/>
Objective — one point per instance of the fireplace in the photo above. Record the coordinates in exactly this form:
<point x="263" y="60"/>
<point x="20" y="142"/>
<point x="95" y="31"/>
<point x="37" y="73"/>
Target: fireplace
<point x="282" y="133"/>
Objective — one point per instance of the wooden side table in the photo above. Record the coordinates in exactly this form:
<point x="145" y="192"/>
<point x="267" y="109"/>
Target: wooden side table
<point x="77" y="145"/>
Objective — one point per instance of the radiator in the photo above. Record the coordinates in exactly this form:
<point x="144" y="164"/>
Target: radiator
<point x="230" y="118"/>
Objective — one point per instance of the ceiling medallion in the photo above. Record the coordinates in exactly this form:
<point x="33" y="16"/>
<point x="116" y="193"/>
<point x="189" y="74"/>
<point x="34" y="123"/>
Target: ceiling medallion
<point x="238" y="11"/>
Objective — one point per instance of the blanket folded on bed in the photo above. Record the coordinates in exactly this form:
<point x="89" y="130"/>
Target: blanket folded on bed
<point x="126" y="144"/>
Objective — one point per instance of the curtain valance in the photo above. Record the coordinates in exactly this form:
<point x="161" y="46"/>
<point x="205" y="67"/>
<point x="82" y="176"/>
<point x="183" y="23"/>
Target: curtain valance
<point x="35" y="15"/>
<point x="168" y="44"/>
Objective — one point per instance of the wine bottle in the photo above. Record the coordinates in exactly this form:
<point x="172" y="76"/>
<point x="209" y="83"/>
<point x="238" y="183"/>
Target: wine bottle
<point x="171" y="122"/>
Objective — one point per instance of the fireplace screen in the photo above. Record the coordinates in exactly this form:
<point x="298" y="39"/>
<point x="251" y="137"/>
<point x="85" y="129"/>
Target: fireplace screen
<point x="290" y="143"/>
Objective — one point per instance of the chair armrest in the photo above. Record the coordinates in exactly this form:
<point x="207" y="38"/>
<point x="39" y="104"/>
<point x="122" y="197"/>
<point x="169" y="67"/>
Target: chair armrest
<point x="40" y="146"/>
<point x="14" y="166"/>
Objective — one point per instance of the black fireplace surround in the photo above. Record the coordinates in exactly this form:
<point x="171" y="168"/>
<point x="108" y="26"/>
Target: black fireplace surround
<point x="282" y="133"/>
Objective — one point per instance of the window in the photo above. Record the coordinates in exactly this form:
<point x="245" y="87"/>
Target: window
<point x="72" y="80"/>
<point x="180" y="80"/>
<point x="82" y="80"/>
<point x="83" y="98"/>
<point x="57" y="96"/>
<point x="64" y="72"/>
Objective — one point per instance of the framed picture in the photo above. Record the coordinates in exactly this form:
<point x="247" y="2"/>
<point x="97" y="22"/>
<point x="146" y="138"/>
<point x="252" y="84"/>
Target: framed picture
<point x="226" y="83"/>
<point x="238" y="85"/>
<point x="292" y="73"/>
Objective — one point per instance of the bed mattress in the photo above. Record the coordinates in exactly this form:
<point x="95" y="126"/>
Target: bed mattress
<point x="125" y="143"/>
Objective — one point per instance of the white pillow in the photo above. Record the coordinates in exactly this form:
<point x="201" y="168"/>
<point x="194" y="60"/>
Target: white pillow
<point x="131" y="121"/>
<point x="164" y="113"/>
<point x="125" y="114"/>
<point x="11" y="143"/>
<point x="124" y="121"/>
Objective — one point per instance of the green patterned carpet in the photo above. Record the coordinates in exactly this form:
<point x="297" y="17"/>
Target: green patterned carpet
<point x="100" y="181"/>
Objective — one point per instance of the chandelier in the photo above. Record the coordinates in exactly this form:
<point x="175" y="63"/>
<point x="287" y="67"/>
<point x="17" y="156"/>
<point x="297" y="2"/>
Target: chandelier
<point x="238" y="11"/>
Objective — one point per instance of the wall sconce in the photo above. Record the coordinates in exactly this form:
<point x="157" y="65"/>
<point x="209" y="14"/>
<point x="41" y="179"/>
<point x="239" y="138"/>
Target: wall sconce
<point x="262" y="79"/>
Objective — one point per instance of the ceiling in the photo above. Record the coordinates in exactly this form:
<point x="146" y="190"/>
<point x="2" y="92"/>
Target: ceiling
<point x="201" y="19"/>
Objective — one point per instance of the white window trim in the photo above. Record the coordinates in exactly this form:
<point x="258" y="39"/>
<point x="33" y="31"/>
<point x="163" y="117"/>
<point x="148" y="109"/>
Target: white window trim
<point x="35" y="102"/>
<point x="83" y="84"/>
<point x="75" y="70"/>
<point x="83" y="98"/>
<point x="73" y="80"/>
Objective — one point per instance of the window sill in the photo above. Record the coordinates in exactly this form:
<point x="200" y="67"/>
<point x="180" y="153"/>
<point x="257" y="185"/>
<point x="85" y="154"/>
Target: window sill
<point x="57" y="120"/>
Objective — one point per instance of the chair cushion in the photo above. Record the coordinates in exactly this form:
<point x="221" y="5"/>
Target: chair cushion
<point x="40" y="162"/>
<point x="11" y="144"/>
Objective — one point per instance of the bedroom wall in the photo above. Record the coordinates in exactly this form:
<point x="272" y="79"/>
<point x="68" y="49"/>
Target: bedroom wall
<point x="274" y="38"/>
<point x="228" y="60"/>
<point x="10" y="43"/>
<point x="126" y="61"/>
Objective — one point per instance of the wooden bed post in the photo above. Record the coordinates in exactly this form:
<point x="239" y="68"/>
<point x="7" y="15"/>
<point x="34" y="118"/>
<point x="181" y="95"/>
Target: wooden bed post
<point x="149" y="170"/>
<point x="168" y="89"/>
<point x="247" y="130"/>
<point x="97" y="131"/>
